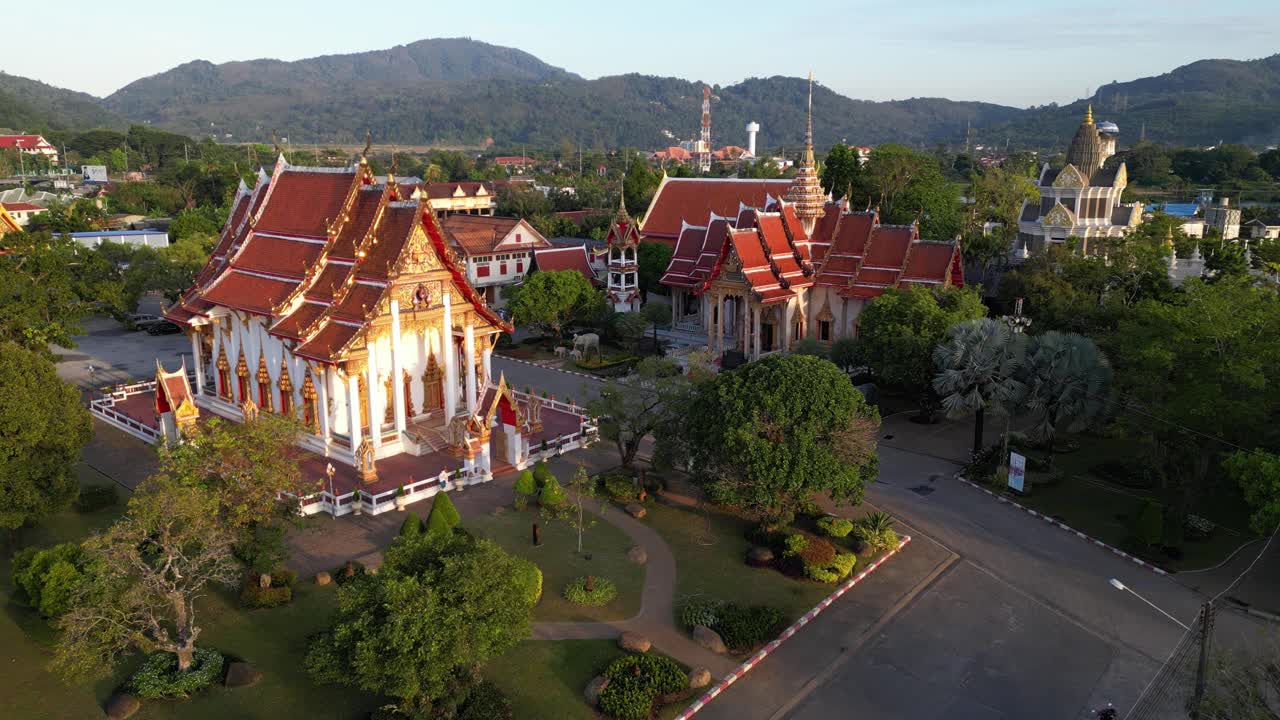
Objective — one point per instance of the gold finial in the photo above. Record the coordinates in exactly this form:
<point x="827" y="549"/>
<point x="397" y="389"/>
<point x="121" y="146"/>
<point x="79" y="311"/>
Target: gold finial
<point x="368" y="145"/>
<point x="1088" y="114"/>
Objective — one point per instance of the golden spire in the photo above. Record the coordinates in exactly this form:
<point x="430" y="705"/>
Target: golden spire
<point x="368" y="145"/>
<point x="1088" y="115"/>
<point x="808" y="131"/>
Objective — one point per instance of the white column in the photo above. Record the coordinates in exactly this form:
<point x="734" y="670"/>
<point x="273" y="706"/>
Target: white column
<point x="195" y="360"/>
<point x="375" y="393"/>
<point x="450" y="363"/>
<point x="487" y="357"/>
<point x="353" y="411"/>
<point x="322" y="403"/>
<point x="755" y="319"/>
<point x="721" y="302"/>
<point x="397" y="368"/>
<point x="469" y="349"/>
<point x="786" y="324"/>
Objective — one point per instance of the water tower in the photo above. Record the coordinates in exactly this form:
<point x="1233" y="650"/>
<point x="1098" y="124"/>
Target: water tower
<point x="752" y="129"/>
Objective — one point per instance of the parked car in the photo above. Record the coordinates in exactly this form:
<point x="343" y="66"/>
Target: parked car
<point x="140" y="321"/>
<point x="164" y="327"/>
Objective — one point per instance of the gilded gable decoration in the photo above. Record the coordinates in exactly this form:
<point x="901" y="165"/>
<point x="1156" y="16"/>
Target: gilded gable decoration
<point x="242" y="368"/>
<point x="1059" y="216"/>
<point x="1069" y="177"/>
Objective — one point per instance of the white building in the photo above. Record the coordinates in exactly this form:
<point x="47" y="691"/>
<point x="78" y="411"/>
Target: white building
<point x="498" y="250"/>
<point x="22" y="212"/>
<point x="1224" y="218"/>
<point x="30" y="145"/>
<point x="149" y="238"/>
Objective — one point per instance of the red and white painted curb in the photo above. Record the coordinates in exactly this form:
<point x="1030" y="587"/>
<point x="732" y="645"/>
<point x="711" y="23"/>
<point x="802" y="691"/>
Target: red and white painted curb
<point x="755" y="659"/>
<point x="553" y="369"/>
<point x="1064" y="526"/>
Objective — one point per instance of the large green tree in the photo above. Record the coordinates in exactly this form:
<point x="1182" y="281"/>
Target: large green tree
<point x="48" y="284"/>
<point x="145" y="574"/>
<point x="898" y="331"/>
<point x="997" y="196"/>
<point x="977" y="371"/>
<point x="440" y="607"/>
<point x="1068" y="385"/>
<point x="840" y="171"/>
<point x="908" y="185"/>
<point x="552" y="300"/>
<point x="768" y="435"/>
<point x="639" y="185"/>
<point x="43" y="428"/>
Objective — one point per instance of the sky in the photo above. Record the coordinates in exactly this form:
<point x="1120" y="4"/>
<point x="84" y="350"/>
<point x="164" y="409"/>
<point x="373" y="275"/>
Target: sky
<point x="1013" y="52"/>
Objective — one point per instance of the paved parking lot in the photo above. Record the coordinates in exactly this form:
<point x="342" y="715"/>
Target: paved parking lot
<point x="107" y="353"/>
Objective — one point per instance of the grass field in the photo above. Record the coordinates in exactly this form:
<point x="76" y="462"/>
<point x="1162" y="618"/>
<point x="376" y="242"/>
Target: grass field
<point x="605" y="555"/>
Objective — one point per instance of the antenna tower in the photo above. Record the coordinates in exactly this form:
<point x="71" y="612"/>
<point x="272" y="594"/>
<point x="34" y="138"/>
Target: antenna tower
<point x="704" y="142"/>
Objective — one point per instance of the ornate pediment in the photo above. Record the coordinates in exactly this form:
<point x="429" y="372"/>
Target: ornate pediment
<point x="1059" y="216"/>
<point x="418" y="255"/>
<point x="1122" y="177"/>
<point x="1069" y="177"/>
<point x="732" y="263"/>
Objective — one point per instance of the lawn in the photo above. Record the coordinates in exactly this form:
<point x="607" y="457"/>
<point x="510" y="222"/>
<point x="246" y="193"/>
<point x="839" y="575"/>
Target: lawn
<point x="1106" y="511"/>
<point x="712" y="563"/>
<point x="605" y="555"/>
<point x="545" y="678"/>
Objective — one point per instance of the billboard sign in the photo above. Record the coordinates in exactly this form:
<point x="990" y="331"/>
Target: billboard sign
<point x="1017" y="471"/>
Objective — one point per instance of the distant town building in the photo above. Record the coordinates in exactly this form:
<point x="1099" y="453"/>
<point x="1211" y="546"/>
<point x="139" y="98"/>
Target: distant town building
<point x="1082" y="198"/>
<point x="1267" y="228"/>
<point x="515" y="163"/>
<point x="30" y="145"/>
<point x="1224" y="218"/>
<point x="149" y="238"/>
<point x="1193" y="227"/>
<point x="22" y="212"/>
<point x="498" y="250"/>
<point x="450" y="198"/>
<point x="579" y="258"/>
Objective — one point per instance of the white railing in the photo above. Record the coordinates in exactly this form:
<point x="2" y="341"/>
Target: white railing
<point x="346" y="503"/>
<point x="104" y="408"/>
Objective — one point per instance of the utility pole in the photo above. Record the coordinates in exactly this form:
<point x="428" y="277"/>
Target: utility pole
<point x="1206" y="636"/>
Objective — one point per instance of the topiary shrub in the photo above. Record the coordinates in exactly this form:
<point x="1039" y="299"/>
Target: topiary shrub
<point x="700" y="611"/>
<point x="526" y="487"/>
<point x="603" y="591"/>
<point x="159" y="676"/>
<point x="833" y="526"/>
<point x="443" y="517"/>
<point x="794" y="545"/>
<point x="743" y="627"/>
<point x="253" y="595"/>
<point x="412" y="525"/>
<point x="96" y="497"/>
<point x="844" y="563"/>
<point x="530" y="578"/>
<point x="621" y="488"/>
<point x="542" y="473"/>
<point x="48" y="578"/>
<point x="552" y="495"/>
<point x="636" y="682"/>
<point x="485" y="702"/>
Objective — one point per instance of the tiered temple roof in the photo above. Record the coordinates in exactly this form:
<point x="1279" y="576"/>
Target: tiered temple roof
<point x="315" y="250"/>
<point x="679" y="199"/>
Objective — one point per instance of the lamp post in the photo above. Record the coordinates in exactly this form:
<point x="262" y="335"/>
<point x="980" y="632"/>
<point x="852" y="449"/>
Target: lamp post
<point x="1018" y="323"/>
<point x="333" y="499"/>
<point x="1125" y="588"/>
<point x="1205" y="633"/>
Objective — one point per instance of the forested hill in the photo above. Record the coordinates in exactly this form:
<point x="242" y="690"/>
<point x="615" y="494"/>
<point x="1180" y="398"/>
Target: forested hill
<point x="463" y="91"/>
<point x="32" y="105"/>
<point x="460" y="91"/>
<point x="1203" y="103"/>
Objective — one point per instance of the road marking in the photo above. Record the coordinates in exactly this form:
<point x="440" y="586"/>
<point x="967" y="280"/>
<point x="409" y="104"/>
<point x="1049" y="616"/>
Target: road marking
<point x="845" y="655"/>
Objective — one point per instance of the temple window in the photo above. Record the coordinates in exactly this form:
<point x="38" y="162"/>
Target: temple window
<point x="242" y="378"/>
<point x="224" y="371"/>
<point x="286" y="389"/>
<point x="264" y="385"/>
<point x="824" y="330"/>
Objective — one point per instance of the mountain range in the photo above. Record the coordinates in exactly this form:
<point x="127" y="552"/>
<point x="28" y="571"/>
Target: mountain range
<point x="457" y="91"/>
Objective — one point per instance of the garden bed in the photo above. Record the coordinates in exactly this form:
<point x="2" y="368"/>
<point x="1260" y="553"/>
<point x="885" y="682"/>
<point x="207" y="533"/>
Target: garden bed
<point x="605" y="555"/>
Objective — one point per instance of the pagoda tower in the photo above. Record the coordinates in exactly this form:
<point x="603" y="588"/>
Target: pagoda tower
<point x="622" y="244"/>
<point x="806" y="189"/>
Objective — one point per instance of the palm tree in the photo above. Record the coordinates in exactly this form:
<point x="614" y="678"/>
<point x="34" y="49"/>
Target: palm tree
<point x="1068" y="382"/>
<point x="977" y="371"/>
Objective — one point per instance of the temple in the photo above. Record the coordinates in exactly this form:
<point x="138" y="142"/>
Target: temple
<point x="622" y="245"/>
<point x="329" y="298"/>
<point x="758" y="265"/>
<point x="1081" y="198"/>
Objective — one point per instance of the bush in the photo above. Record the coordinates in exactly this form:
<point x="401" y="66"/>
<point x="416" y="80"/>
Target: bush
<point x="253" y="596"/>
<point x="443" y="517"/>
<point x="766" y="535"/>
<point x="743" y="627"/>
<point x="636" y="682"/>
<point x="551" y="495"/>
<point x="832" y="526"/>
<point x="876" y="530"/>
<point x="47" y="578"/>
<point x="700" y="611"/>
<point x="412" y="525"/>
<point x="526" y="487"/>
<point x="542" y="473"/>
<point x="818" y="552"/>
<point x="159" y="676"/>
<point x="839" y="567"/>
<point x="485" y="702"/>
<point x="339" y="574"/>
<point x="983" y="463"/>
<point x="96" y="497"/>
<point x="1149" y="526"/>
<point x="844" y="563"/>
<point x="530" y="578"/>
<point x="603" y="591"/>
<point x="621" y="488"/>
<point x="1198" y="528"/>
<point x="794" y="545"/>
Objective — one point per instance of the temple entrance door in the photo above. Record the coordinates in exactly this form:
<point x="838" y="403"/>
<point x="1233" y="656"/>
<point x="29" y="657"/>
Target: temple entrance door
<point x="498" y="444"/>
<point x="766" y="337"/>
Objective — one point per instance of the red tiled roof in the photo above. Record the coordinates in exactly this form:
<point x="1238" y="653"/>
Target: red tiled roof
<point x="780" y="250"/>
<point x="437" y="191"/>
<point x="840" y="261"/>
<point x="327" y="345"/>
<point x="930" y="262"/>
<point x="570" y="258"/>
<point x="694" y="199"/>
<point x="26" y="141"/>
<point x="21" y="207"/>
<point x="248" y="292"/>
<point x="278" y="256"/>
<point x="714" y="246"/>
<point x="363" y="212"/>
<point x="295" y="323"/>
<point x="681" y="271"/>
<point x="888" y="246"/>
<point x="398" y="221"/>
<point x="481" y="235"/>
<point x="303" y="201"/>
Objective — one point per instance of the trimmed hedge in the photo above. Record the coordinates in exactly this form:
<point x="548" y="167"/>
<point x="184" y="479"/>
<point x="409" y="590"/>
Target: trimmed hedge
<point x="621" y="488"/>
<point x="485" y="702"/>
<point x="700" y="611"/>
<point x="743" y="627"/>
<point x="159" y="676"/>
<point x="280" y="593"/>
<point x="526" y="487"/>
<point x="551" y="495"/>
<point x="636" y="682"/>
<point x="832" y="526"/>
<point x="603" y="592"/>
